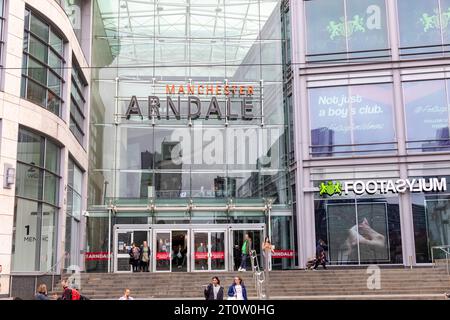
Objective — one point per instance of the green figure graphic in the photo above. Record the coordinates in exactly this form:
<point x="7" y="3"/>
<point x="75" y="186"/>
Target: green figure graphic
<point x="330" y="188"/>
<point x="338" y="29"/>
<point x="356" y="25"/>
<point x="429" y="22"/>
<point x="335" y="29"/>
<point x="445" y="19"/>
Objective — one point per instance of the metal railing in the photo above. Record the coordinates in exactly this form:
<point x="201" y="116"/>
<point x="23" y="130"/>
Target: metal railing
<point x="55" y="274"/>
<point x="444" y="249"/>
<point x="258" y="276"/>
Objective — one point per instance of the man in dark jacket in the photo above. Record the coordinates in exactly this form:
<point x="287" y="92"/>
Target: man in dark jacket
<point x="321" y="258"/>
<point x="214" y="291"/>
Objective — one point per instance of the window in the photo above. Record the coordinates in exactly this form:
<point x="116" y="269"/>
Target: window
<point x="42" y="64"/>
<point x="427" y="108"/>
<point x="37" y="189"/>
<point x="360" y="231"/>
<point x="286" y="29"/>
<point x="77" y="102"/>
<point x="73" y="216"/>
<point x="346" y="29"/>
<point x="423" y="27"/>
<point x="2" y="28"/>
<point x="73" y="11"/>
<point x="350" y="120"/>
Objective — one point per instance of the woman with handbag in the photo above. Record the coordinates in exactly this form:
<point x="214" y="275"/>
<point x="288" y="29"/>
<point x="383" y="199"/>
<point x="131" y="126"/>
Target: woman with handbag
<point x="267" y="248"/>
<point x="237" y="290"/>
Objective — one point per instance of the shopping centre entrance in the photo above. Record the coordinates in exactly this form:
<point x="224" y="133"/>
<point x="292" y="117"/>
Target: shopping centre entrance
<point x="187" y="248"/>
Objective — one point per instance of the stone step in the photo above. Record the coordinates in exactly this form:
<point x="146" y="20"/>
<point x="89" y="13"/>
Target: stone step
<point x="333" y="283"/>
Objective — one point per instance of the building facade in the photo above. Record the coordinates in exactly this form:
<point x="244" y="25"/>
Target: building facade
<point x="44" y="108"/>
<point x="189" y="124"/>
<point x="188" y="147"/>
<point x="371" y="129"/>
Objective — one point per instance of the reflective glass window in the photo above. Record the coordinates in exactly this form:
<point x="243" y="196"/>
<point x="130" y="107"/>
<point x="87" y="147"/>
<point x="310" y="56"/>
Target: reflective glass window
<point x="423" y="27"/>
<point x="42" y="63"/>
<point x="352" y="119"/>
<point x="346" y="29"/>
<point x="427" y="115"/>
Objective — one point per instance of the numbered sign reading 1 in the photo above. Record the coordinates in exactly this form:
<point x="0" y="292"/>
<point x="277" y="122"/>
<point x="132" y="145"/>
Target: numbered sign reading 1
<point x="28" y="238"/>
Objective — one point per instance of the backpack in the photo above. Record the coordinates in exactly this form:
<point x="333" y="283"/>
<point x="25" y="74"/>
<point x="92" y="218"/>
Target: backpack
<point x="75" y="295"/>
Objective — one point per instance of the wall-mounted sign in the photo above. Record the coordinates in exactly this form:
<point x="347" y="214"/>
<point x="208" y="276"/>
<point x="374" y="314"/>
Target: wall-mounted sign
<point x="283" y="254"/>
<point x="360" y="187"/>
<point x="194" y="101"/>
<point x="97" y="256"/>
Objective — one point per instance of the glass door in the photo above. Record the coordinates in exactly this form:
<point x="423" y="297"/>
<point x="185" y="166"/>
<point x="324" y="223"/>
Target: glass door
<point x="123" y="241"/>
<point x="162" y="242"/>
<point x="179" y="259"/>
<point x="253" y="239"/>
<point x="217" y="247"/>
<point x="209" y="249"/>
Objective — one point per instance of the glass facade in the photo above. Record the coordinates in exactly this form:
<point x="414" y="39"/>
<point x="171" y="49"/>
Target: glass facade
<point x="360" y="230"/>
<point x="42" y="64"/>
<point x="187" y="113"/>
<point x="77" y="102"/>
<point x="431" y="212"/>
<point x="73" y="10"/>
<point x="423" y="28"/>
<point x="427" y="108"/>
<point x="346" y="29"/>
<point x="36" y="208"/>
<point x="349" y="120"/>
<point x="73" y="215"/>
<point x="234" y="67"/>
<point x="2" y="28"/>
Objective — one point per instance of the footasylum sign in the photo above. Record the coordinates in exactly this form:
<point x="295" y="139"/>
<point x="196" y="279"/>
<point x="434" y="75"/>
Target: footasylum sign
<point x="360" y="187"/>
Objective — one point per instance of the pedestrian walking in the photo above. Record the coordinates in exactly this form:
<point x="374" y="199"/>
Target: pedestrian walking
<point x="42" y="293"/>
<point x="245" y="250"/>
<point x="321" y="257"/>
<point x="144" y="256"/>
<point x="126" y="295"/>
<point x="214" y="291"/>
<point x="237" y="290"/>
<point x="134" y="257"/>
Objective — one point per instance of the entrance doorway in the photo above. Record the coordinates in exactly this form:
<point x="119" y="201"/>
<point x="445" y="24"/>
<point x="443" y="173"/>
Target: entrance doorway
<point x="188" y="248"/>
<point x="209" y="250"/>
<point x="256" y="238"/>
<point x="124" y="238"/>
<point x="180" y="251"/>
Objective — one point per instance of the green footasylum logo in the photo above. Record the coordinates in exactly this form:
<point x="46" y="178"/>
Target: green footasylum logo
<point x="330" y="188"/>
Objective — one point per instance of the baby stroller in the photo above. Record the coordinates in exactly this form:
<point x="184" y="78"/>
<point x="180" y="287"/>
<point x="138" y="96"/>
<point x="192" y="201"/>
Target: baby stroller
<point x="310" y="263"/>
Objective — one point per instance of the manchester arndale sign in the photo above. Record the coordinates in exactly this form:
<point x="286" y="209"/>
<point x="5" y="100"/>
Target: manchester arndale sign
<point x="360" y="187"/>
<point x="190" y="100"/>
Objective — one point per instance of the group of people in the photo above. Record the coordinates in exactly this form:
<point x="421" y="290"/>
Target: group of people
<point x="68" y="293"/>
<point x="267" y="251"/>
<point x="140" y="257"/>
<point x="236" y="291"/>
